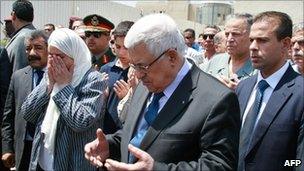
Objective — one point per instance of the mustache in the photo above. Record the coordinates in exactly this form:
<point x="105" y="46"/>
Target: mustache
<point x="34" y="57"/>
<point x="300" y="54"/>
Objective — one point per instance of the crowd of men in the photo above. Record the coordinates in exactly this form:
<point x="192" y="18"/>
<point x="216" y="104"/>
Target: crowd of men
<point x="144" y="95"/>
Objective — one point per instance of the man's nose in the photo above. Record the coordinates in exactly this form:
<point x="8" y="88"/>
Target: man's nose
<point x="296" y="46"/>
<point x="253" y="45"/>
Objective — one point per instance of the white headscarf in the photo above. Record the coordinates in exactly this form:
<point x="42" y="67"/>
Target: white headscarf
<point x="73" y="46"/>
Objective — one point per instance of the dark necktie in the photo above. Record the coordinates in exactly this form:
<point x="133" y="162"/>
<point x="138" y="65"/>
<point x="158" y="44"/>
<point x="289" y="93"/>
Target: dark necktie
<point x="29" y="126"/>
<point x="248" y="128"/>
<point x="150" y="115"/>
<point x="153" y="108"/>
<point x="40" y="76"/>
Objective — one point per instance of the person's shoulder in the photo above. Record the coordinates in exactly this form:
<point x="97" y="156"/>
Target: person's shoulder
<point x="26" y="69"/>
<point x="209" y="83"/>
<point x="107" y="66"/>
<point x="299" y="81"/>
<point x="93" y="74"/>
<point x="24" y="32"/>
<point x="20" y="72"/>
<point x="3" y="52"/>
<point x="220" y="57"/>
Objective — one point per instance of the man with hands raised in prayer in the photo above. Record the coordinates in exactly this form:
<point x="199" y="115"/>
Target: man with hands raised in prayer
<point x="179" y="118"/>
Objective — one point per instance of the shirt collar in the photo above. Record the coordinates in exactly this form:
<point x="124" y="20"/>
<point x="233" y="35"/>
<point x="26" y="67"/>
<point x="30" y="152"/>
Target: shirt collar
<point x="43" y="69"/>
<point x="274" y="79"/>
<point x="180" y="75"/>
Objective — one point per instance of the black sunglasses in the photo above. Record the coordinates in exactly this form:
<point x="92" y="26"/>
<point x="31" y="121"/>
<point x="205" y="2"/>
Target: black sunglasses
<point x="211" y="36"/>
<point x="95" y="34"/>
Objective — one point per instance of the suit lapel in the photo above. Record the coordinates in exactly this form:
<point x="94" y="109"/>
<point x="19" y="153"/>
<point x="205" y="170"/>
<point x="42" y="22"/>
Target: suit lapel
<point x="142" y="95"/>
<point x="246" y="94"/>
<point x="278" y="98"/>
<point x="181" y="97"/>
<point x="28" y="80"/>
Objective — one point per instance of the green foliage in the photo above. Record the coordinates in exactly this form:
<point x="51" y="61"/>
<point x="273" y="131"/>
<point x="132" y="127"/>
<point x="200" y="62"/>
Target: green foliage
<point x="4" y="42"/>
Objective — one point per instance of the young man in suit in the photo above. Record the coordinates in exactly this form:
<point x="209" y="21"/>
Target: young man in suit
<point x="22" y="18"/>
<point x="180" y="118"/>
<point x="118" y="77"/>
<point x="16" y="140"/>
<point x="271" y="102"/>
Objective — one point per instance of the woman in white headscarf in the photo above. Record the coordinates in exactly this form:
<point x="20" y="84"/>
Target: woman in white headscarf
<point x="67" y="106"/>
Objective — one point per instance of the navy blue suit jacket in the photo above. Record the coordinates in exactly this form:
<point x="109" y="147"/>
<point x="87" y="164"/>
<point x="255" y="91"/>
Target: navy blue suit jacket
<point x="279" y="133"/>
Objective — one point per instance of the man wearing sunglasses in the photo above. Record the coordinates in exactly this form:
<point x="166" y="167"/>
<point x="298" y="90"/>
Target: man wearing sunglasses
<point x="207" y="41"/>
<point x="235" y="65"/>
<point x="179" y="118"/>
<point x="97" y="33"/>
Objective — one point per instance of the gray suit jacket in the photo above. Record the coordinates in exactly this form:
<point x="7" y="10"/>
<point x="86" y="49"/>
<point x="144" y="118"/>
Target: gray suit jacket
<point x="13" y="124"/>
<point x="80" y="115"/>
<point x="197" y="129"/>
<point x="16" y="48"/>
<point x="279" y="134"/>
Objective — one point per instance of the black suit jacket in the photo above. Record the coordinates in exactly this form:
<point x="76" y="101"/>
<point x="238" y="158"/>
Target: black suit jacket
<point x="197" y="129"/>
<point x="279" y="133"/>
<point x="13" y="124"/>
<point x="5" y="76"/>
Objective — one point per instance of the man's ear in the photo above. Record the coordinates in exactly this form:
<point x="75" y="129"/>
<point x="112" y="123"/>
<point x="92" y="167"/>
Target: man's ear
<point x="172" y="54"/>
<point x="13" y="14"/>
<point x="286" y="43"/>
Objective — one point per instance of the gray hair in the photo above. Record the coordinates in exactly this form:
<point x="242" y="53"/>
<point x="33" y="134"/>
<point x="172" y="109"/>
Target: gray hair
<point x="245" y="16"/>
<point x="219" y="37"/>
<point x="298" y="27"/>
<point x="158" y="32"/>
<point x="36" y="34"/>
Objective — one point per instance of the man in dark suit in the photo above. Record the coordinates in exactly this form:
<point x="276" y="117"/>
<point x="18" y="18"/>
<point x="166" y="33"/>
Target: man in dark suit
<point x="16" y="140"/>
<point x="271" y="102"/>
<point x="180" y="118"/>
<point x="5" y="75"/>
<point x="22" y="17"/>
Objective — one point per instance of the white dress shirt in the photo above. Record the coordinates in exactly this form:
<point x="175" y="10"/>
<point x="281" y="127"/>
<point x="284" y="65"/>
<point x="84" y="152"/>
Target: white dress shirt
<point x="272" y="80"/>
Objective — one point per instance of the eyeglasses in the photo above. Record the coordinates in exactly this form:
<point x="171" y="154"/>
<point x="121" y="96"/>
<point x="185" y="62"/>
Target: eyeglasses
<point x="95" y="34"/>
<point x="145" y="68"/>
<point x="205" y="36"/>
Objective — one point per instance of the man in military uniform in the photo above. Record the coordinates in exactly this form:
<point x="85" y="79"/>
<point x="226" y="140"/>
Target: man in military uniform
<point x="97" y="32"/>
